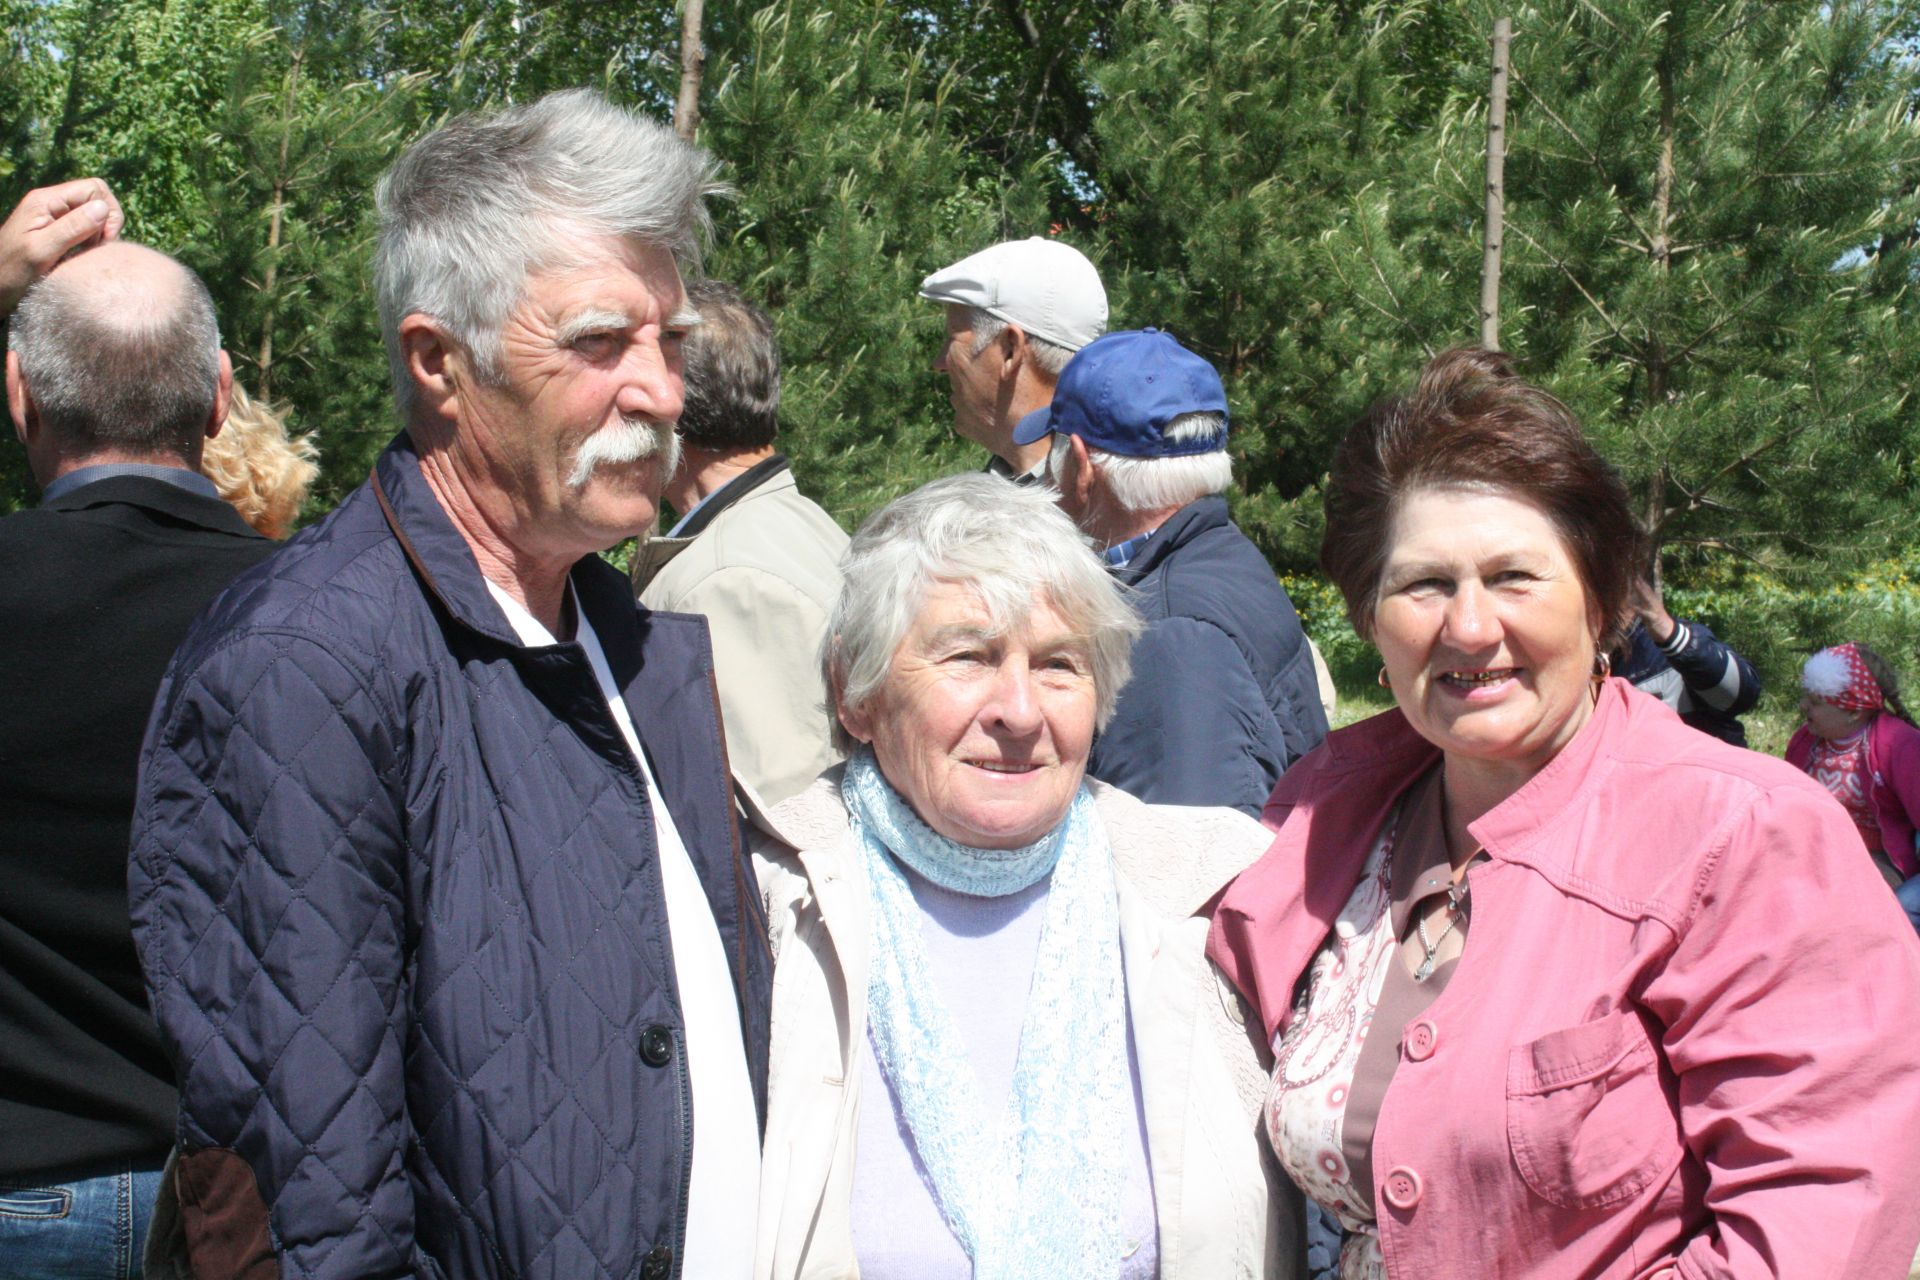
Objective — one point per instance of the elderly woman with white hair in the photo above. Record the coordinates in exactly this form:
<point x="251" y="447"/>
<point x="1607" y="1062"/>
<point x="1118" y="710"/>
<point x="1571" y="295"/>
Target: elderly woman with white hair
<point x="998" y="1050"/>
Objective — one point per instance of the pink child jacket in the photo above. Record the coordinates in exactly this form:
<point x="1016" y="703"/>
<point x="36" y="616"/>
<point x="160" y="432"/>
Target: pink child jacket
<point x="1893" y="756"/>
<point x="1683" y="1040"/>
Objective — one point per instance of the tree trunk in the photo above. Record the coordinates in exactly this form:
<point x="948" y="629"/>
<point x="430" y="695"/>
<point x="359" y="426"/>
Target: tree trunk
<point x="1659" y="371"/>
<point x="693" y="64"/>
<point x="1496" y="188"/>
<point x="263" y="384"/>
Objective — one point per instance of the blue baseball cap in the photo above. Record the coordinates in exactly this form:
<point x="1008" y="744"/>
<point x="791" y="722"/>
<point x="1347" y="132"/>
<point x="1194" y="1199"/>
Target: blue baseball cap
<point x="1119" y="393"/>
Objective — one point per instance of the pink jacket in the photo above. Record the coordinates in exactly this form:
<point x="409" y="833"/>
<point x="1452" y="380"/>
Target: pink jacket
<point x="1893" y="754"/>
<point x="1684" y="1039"/>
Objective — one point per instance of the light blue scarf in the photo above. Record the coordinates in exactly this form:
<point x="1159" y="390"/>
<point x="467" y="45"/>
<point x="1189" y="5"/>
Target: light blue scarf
<point x="1035" y="1191"/>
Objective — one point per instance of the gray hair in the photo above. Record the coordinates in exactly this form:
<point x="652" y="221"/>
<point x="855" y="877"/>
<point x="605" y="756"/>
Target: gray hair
<point x="1050" y="356"/>
<point x="1154" y="484"/>
<point x="732" y="368"/>
<point x="138" y="374"/>
<point x="1007" y="543"/>
<point x="468" y="212"/>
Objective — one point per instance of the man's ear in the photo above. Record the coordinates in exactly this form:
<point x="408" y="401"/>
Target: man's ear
<point x="431" y="362"/>
<point x="222" y="397"/>
<point x="1082" y="478"/>
<point x="19" y="403"/>
<point x="1014" y="350"/>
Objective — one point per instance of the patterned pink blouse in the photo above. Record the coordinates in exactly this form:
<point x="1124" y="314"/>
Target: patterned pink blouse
<point x="1841" y="767"/>
<point x="1316" y="1057"/>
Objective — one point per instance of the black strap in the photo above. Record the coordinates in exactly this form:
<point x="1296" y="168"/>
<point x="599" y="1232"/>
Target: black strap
<point x="731" y="492"/>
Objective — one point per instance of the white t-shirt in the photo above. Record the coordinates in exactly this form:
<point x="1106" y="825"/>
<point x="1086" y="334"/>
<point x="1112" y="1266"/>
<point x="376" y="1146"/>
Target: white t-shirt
<point x="726" y="1148"/>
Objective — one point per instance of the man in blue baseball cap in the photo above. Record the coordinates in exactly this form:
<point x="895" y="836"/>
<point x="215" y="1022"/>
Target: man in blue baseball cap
<point x="1223" y="696"/>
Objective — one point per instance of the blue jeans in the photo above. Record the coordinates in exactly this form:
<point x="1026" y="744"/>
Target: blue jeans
<point x="93" y="1229"/>
<point x="1909" y="895"/>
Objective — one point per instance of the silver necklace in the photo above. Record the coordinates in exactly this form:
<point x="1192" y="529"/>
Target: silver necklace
<point x="1454" y="912"/>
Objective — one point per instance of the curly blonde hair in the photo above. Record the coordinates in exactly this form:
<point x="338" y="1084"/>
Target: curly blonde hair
<point x="258" y="468"/>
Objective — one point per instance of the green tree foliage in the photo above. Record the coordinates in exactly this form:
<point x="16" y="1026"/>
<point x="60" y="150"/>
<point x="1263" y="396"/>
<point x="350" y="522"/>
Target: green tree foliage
<point x="298" y="141"/>
<point x="1292" y="186"/>
<point x="1236" y="136"/>
<point x="851" y="186"/>
<point x="1708" y="255"/>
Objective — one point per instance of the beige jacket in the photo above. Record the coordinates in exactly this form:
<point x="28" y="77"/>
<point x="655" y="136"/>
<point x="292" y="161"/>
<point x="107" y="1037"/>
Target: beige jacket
<point x="765" y="574"/>
<point x="1225" y="1211"/>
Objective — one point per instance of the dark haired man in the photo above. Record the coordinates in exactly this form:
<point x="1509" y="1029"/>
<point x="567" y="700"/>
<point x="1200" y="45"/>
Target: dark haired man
<point x="115" y="380"/>
<point x="751" y="552"/>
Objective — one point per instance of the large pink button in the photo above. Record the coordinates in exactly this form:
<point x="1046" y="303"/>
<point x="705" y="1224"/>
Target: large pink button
<point x="1420" y="1040"/>
<point x="1403" y="1189"/>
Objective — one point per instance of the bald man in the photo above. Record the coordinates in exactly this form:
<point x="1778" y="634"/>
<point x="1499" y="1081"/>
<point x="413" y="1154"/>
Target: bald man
<point x="115" y="379"/>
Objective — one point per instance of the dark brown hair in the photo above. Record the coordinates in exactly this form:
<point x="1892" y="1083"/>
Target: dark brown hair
<point x="732" y="369"/>
<point x="1887" y="678"/>
<point x="1471" y="422"/>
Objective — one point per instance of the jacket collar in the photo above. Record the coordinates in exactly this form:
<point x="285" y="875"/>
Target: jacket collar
<point x="446" y="564"/>
<point x="1330" y="807"/>
<point x="160" y="496"/>
<point x="731" y="492"/>
<point x="173" y="473"/>
<point x="1179" y="529"/>
<point x="769" y="475"/>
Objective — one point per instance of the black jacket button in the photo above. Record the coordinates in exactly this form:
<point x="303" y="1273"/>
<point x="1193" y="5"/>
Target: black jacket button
<point x="659" y="1260"/>
<point x="656" y="1050"/>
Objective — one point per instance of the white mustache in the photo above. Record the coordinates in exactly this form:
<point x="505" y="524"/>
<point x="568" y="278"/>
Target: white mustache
<point x="632" y="440"/>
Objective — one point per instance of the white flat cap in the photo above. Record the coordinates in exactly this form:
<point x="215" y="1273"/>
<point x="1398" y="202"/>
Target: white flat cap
<point x="1047" y="288"/>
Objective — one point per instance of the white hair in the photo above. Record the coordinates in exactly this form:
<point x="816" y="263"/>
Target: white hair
<point x="1009" y="544"/>
<point x="468" y="212"/>
<point x="1155" y="484"/>
<point x="987" y="327"/>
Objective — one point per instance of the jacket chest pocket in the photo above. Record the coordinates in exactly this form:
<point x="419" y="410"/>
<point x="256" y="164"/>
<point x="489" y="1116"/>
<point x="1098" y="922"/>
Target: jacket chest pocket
<point x="1589" y="1120"/>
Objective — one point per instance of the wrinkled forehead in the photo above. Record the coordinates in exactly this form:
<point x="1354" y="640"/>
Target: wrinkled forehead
<point x="571" y="268"/>
<point x="991" y="611"/>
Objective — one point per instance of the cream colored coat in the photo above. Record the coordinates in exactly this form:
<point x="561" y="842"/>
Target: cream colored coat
<point x="1224" y="1209"/>
<point x="765" y="575"/>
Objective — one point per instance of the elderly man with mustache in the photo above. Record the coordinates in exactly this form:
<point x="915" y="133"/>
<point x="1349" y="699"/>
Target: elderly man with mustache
<point x="436" y="878"/>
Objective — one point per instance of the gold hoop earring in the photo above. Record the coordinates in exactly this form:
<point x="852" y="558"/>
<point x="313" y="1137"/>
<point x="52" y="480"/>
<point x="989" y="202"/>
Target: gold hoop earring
<point x="1382" y="679"/>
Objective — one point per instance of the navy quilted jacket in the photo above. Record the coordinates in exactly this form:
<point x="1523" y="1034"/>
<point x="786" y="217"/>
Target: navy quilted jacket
<point x="395" y="891"/>
<point x="1223" y="696"/>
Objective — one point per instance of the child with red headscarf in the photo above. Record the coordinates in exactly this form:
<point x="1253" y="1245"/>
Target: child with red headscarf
<point x="1859" y="741"/>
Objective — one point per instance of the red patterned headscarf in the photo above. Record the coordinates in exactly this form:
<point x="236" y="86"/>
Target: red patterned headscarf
<point x="1840" y="676"/>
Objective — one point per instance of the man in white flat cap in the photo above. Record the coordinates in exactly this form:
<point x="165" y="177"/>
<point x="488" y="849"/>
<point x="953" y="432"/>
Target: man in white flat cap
<point x="1016" y="313"/>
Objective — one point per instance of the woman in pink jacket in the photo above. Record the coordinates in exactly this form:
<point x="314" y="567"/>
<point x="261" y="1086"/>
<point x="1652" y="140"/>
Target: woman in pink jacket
<point x="1860" y="744"/>
<point x="1556" y="985"/>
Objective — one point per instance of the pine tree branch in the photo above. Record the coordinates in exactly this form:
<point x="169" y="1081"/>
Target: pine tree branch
<point x="1634" y="349"/>
<point x="1398" y="318"/>
<point x="1599" y="165"/>
<point x="1753" y="455"/>
<point x="1728" y="318"/>
<point x="1595" y="10"/>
